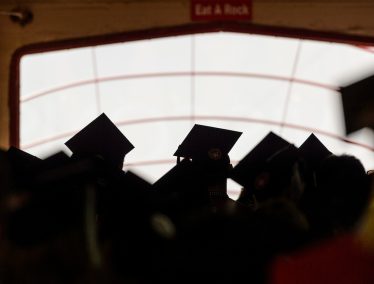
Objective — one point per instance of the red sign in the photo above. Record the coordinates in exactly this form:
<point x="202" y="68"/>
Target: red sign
<point x="221" y="10"/>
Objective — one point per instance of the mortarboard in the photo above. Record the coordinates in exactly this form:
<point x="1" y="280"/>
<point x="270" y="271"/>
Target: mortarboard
<point x="55" y="205"/>
<point x="358" y="104"/>
<point x="21" y="161"/>
<point x="313" y="151"/>
<point x="125" y="195"/>
<point x="4" y="172"/>
<point x="185" y="181"/>
<point x="172" y="180"/>
<point x="246" y="170"/>
<point x="60" y="169"/>
<point x="60" y="197"/>
<point x="283" y="158"/>
<point x="22" y="166"/>
<point x="101" y="137"/>
<point x="182" y="188"/>
<point x="206" y="141"/>
<point x="136" y="182"/>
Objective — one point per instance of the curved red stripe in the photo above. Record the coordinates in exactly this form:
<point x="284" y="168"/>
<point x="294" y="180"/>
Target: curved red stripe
<point x="178" y="74"/>
<point x="202" y="117"/>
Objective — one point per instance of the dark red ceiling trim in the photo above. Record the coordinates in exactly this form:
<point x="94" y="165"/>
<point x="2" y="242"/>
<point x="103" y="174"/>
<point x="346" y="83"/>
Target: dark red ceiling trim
<point x="14" y="113"/>
<point x="201" y="27"/>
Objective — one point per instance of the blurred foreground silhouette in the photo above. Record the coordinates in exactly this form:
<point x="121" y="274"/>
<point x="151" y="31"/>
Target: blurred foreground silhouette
<point x="82" y="219"/>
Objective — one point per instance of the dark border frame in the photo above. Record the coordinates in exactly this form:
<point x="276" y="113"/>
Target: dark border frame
<point x="193" y="28"/>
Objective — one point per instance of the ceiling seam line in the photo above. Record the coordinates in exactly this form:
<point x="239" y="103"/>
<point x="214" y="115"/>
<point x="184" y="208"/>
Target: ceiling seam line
<point x="96" y="81"/>
<point x="290" y="86"/>
<point x="193" y="93"/>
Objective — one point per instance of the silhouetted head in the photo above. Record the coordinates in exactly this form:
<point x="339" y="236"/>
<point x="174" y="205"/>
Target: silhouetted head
<point x="341" y="195"/>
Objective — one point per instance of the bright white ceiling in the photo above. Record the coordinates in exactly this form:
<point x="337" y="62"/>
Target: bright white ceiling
<point x="155" y="90"/>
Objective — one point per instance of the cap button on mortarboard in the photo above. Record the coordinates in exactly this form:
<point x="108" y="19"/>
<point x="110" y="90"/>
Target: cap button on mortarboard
<point x="206" y="140"/>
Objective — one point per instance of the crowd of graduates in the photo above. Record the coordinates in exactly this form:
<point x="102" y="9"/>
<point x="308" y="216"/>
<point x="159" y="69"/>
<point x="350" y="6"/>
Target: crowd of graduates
<point x="303" y="214"/>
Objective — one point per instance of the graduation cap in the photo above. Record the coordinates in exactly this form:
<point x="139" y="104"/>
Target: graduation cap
<point x="182" y="188"/>
<point x="101" y="137"/>
<point x="60" y="169"/>
<point x="136" y="182"/>
<point x="4" y="172"/>
<point x="123" y="196"/>
<point x="21" y="161"/>
<point x="173" y="180"/>
<point x="313" y="151"/>
<point x="55" y="205"/>
<point x="246" y="170"/>
<point x="185" y="181"/>
<point x="22" y="166"/>
<point x="282" y="159"/>
<point x="358" y="104"/>
<point x="207" y="142"/>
